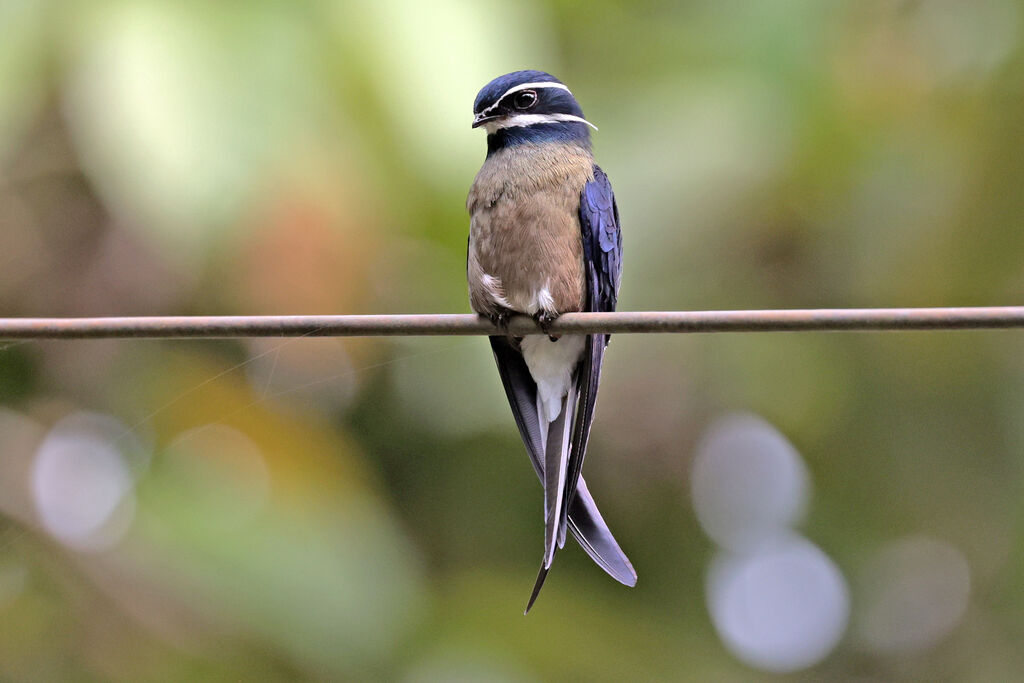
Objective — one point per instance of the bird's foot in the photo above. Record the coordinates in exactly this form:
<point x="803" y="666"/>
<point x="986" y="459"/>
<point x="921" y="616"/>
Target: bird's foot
<point x="544" y="320"/>
<point x="500" y="318"/>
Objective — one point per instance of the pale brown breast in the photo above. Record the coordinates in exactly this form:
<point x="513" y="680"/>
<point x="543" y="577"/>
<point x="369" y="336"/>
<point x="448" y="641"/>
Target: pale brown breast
<point x="525" y="247"/>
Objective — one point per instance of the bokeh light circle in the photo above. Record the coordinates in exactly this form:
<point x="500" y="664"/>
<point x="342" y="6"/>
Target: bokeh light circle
<point x="82" y="485"/>
<point x="914" y="593"/>
<point x="781" y="608"/>
<point x="748" y="482"/>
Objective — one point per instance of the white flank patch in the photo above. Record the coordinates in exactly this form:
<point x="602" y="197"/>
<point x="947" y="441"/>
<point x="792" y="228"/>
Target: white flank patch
<point x="494" y="289"/>
<point x="543" y="301"/>
<point x="551" y="365"/>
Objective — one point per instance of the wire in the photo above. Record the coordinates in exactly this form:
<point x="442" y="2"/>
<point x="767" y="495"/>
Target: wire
<point x="842" y="319"/>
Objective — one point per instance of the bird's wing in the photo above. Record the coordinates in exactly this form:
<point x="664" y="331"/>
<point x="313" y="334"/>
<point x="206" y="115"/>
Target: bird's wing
<point x="584" y="519"/>
<point x="602" y="241"/>
<point x="602" y="257"/>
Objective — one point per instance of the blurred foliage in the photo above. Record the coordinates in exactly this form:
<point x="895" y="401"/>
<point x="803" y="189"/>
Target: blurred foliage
<point x="362" y="509"/>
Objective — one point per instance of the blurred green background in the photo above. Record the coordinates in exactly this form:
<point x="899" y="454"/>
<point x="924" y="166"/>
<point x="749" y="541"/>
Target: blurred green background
<point x="362" y="509"/>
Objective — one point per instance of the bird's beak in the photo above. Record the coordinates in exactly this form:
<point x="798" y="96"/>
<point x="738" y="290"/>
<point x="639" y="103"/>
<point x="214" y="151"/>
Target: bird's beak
<point x="481" y="119"/>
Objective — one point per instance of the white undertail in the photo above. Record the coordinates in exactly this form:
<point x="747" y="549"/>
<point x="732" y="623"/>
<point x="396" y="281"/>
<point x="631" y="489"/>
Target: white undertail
<point x="551" y="365"/>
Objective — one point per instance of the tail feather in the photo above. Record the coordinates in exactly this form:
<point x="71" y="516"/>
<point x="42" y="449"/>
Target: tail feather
<point x="588" y="376"/>
<point x="593" y="535"/>
<point x="541" y="575"/>
<point x="556" y="463"/>
<point x="583" y="520"/>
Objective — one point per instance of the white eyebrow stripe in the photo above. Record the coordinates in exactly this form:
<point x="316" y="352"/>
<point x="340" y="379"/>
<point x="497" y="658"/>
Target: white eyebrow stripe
<point x="519" y="120"/>
<point x="525" y="86"/>
<point x="532" y="86"/>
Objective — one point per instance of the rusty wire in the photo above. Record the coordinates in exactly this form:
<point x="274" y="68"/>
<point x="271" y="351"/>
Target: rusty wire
<point x="852" y="319"/>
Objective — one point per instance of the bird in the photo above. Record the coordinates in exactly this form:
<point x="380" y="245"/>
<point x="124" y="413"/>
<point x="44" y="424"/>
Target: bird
<point x="544" y="239"/>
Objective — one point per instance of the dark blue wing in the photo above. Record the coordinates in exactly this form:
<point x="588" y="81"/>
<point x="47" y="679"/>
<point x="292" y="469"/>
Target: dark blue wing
<point x="602" y="258"/>
<point x="602" y="242"/>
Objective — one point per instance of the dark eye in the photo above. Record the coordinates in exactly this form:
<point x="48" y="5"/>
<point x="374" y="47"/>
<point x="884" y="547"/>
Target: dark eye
<point x="525" y="99"/>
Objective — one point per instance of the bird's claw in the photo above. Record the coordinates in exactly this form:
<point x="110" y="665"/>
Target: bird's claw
<point x="544" y="320"/>
<point x="500" y="319"/>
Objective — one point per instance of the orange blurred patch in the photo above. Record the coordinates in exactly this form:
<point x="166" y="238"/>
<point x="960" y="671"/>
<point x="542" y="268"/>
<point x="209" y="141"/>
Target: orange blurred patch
<point x="307" y="257"/>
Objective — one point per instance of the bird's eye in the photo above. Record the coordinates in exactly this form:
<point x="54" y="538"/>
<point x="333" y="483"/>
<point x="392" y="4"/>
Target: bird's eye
<point x="525" y="99"/>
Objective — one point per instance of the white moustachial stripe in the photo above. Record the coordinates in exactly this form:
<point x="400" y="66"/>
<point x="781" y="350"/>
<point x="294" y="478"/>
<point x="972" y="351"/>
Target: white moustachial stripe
<point x="518" y="120"/>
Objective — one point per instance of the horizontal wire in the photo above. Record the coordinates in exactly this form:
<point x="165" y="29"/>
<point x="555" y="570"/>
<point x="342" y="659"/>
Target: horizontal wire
<point x="835" y="319"/>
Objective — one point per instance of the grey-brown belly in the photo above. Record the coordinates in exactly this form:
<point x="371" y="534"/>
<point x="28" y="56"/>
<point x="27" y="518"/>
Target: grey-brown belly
<point x="525" y="247"/>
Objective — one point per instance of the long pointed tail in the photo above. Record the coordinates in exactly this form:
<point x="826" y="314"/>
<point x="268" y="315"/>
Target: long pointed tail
<point x="541" y="575"/>
<point x="556" y="463"/>
<point x="592" y="533"/>
<point x="589" y="528"/>
<point x="584" y="520"/>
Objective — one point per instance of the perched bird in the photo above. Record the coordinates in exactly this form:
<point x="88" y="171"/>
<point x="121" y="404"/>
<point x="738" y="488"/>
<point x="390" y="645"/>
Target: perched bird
<point x="544" y="240"/>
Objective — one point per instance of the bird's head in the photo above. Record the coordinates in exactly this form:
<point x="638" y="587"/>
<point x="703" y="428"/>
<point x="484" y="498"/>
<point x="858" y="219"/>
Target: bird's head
<point x="529" y="106"/>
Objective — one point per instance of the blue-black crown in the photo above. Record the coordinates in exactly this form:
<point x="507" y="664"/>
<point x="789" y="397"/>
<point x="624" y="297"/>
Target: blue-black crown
<point x="493" y="107"/>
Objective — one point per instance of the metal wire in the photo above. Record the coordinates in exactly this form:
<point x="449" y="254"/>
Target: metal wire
<point x="850" y="319"/>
